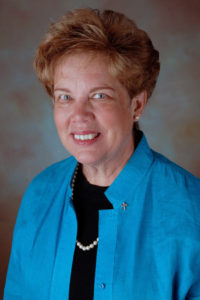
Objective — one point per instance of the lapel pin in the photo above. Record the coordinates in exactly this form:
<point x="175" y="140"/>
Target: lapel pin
<point x="124" y="205"/>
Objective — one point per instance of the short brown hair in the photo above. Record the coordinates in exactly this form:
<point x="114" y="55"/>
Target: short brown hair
<point x="133" y="59"/>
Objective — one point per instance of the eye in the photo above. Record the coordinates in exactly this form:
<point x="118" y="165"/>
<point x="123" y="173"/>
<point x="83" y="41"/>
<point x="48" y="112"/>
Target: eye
<point x="99" y="96"/>
<point x="62" y="98"/>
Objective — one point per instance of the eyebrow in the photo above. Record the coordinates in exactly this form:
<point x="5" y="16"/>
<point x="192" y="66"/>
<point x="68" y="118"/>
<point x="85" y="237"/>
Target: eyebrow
<point x="62" y="90"/>
<point x="102" y="88"/>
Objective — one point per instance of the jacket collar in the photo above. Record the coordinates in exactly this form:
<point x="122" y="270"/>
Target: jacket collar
<point x="131" y="175"/>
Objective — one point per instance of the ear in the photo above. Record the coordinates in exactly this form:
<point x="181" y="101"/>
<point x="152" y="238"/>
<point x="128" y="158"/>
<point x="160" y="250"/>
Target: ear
<point x="138" y="104"/>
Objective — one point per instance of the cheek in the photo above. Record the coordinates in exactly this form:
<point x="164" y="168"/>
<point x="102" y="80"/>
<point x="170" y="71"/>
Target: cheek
<point x="117" y="117"/>
<point x="59" y="119"/>
<point x="107" y="115"/>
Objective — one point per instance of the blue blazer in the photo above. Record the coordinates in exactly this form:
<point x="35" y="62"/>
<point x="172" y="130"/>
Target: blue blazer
<point x="148" y="251"/>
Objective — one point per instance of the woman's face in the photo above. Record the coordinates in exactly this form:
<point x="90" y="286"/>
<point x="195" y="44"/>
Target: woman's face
<point x="93" y="112"/>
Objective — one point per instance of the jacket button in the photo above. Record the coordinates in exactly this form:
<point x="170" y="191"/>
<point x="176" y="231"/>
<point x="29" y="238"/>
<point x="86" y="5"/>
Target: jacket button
<point x="102" y="285"/>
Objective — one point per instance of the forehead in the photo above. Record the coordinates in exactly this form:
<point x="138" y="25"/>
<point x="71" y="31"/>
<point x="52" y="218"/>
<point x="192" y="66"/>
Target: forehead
<point x="81" y="60"/>
<point x="89" y="67"/>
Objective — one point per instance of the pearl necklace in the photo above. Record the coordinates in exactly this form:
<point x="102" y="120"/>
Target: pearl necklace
<point x="79" y="244"/>
<point x="88" y="247"/>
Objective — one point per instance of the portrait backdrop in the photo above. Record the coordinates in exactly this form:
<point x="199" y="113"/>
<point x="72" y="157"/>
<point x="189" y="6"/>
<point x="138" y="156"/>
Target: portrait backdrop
<point x="28" y="137"/>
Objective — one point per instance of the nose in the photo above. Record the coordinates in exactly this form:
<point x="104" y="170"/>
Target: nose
<point x="82" y="112"/>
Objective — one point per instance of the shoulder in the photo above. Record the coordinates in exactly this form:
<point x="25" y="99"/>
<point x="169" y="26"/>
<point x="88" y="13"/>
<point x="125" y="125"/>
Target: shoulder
<point x="55" y="173"/>
<point x="43" y="189"/>
<point x="177" y="192"/>
<point x="61" y="168"/>
<point x="51" y="178"/>
<point x="169" y="172"/>
<point x="172" y="200"/>
<point x="161" y="170"/>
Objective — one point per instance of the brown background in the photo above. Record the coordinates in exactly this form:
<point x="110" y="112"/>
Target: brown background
<point x="28" y="137"/>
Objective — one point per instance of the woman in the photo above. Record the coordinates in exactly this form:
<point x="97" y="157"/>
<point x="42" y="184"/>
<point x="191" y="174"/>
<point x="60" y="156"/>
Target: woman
<point x="116" y="220"/>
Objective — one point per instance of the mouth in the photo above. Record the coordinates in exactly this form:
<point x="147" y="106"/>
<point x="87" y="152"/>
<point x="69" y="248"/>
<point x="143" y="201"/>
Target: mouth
<point x="85" y="138"/>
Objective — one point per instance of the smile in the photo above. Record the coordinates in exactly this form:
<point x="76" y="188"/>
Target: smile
<point x="85" y="137"/>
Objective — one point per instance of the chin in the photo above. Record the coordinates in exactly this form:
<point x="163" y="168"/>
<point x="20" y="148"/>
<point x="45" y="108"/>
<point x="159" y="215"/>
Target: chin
<point x="86" y="159"/>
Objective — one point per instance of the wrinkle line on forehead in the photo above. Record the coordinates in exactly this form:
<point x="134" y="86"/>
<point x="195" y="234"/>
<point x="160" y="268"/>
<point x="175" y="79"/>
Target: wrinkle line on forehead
<point x="102" y="87"/>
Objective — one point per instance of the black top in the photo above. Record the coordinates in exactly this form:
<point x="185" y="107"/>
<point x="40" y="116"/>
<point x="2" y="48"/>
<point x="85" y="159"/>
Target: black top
<point x="88" y="199"/>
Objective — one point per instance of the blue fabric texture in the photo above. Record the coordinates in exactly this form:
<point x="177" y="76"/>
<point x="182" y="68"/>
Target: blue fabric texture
<point x="149" y="251"/>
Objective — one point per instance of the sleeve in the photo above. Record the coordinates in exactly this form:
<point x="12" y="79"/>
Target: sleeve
<point x="194" y="268"/>
<point x="34" y="206"/>
<point x="18" y="267"/>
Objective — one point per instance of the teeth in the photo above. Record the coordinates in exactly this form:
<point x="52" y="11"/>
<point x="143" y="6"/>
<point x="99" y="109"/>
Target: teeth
<point x="84" y="137"/>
